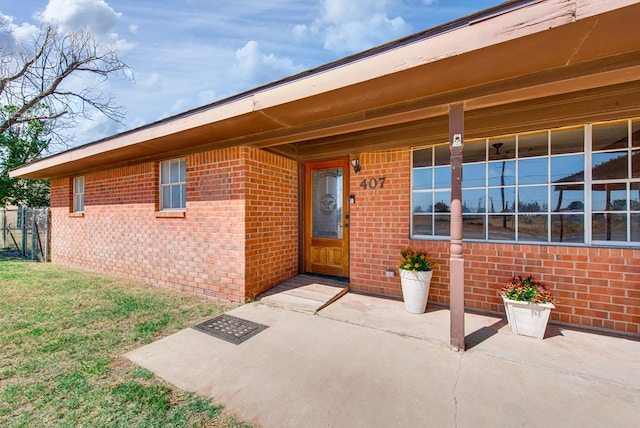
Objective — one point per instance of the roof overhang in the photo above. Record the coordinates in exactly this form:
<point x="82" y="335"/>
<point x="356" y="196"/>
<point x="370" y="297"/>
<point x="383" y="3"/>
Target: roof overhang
<point x="521" y="54"/>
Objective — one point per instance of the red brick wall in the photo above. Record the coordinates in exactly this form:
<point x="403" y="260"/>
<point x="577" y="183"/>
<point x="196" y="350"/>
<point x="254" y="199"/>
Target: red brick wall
<point x="597" y="288"/>
<point x="202" y="252"/>
<point x="237" y="238"/>
<point x="271" y="220"/>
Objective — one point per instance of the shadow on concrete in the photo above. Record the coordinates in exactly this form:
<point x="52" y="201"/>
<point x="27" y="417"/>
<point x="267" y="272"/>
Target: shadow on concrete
<point x="484" y="333"/>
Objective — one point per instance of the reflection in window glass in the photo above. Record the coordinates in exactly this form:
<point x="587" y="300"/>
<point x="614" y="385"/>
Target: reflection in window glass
<point x="502" y="228"/>
<point x="502" y="199"/>
<point x="422" y="179"/>
<point x="165" y="177"/>
<point x="610" y="136"/>
<point x="442" y="177"/>
<point x="502" y="148"/>
<point x="530" y="145"/>
<point x="422" y="158"/>
<point x="422" y="202"/>
<point x="539" y="192"/>
<point x="474" y="201"/>
<point x="533" y="227"/>
<point x="475" y="151"/>
<point x="176" y="197"/>
<point x="567" y="169"/>
<point x="609" y="227"/>
<point x="567" y="228"/>
<point x="567" y="141"/>
<point x="473" y="227"/>
<point x="533" y="171"/>
<point x="533" y="199"/>
<point x="422" y="225"/>
<point x="442" y="202"/>
<point x="635" y="227"/>
<point x="175" y="172"/>
<point x="567" y="198"/>
<point x="502" y="173"/>
<point x="609" y="197"/>
<point x="635" y="164"/>
<point x="474" y="175"/>
<point x="634" y="197"/>
<point x="607" y="166"/>
<point x="442" y="225"/>
<point x="442" y="155"/>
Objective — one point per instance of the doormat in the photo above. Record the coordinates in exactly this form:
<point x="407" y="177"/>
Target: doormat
<point x="230" y="328"/>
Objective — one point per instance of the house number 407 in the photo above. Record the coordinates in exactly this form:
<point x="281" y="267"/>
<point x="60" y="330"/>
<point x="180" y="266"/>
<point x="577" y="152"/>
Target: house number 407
<point x="373" y="183"/>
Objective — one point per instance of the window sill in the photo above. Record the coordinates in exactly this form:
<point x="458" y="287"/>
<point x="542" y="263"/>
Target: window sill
<point x="169" y="214"/>
<point x="76" y="214"/>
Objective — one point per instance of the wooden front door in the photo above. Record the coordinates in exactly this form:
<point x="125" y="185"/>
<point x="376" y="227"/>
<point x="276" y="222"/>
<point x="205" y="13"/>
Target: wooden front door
<point x="326" y="217"/>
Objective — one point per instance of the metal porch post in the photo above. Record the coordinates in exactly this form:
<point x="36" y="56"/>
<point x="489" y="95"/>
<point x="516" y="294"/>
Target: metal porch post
<point x="456" y="259"/>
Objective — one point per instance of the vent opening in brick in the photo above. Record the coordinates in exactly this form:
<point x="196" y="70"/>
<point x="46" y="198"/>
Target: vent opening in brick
<point x="232" y="329"/>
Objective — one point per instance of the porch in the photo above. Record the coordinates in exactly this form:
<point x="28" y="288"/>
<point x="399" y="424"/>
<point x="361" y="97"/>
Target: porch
<point x="364" y="361"/>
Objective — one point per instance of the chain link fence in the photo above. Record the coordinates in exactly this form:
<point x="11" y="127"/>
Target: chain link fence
<point x="26" y="231"/>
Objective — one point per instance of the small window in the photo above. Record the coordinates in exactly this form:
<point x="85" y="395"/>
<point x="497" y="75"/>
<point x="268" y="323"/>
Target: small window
<point x="173" y="185"/>
<point x="78" y="194"/>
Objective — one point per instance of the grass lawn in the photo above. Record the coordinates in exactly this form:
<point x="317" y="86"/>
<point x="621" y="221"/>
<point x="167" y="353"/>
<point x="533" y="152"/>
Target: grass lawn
<point x="62" y="334"/>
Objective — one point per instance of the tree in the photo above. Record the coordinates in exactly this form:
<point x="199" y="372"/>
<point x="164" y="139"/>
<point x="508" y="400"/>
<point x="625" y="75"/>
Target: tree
<point x="15" y="151"/>
<point x="40" y="97"/>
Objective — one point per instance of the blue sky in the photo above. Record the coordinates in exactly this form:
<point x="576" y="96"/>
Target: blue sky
<point x="187" y="53"/>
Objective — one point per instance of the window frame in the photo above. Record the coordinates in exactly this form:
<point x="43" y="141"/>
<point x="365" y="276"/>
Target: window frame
<point x="78" y="194"/>
<point x="518" y="215"/>
<point x="180" y="183"/>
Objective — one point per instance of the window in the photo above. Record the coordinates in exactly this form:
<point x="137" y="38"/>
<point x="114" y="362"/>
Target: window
<point x="173" y="185"/>
<point x="78" y="194"/>
<point x="578" y="185"/>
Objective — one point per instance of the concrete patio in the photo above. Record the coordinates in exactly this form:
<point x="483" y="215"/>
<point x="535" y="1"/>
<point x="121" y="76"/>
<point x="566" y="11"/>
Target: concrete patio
<point x="364" y="362"/>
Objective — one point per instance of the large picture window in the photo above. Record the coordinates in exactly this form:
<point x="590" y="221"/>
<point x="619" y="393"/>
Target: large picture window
<point x="173" y="184"/>
<point x="578" y="185"/>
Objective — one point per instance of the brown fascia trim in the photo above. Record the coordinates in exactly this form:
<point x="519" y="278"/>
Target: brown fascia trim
<point x="246" y="102"/>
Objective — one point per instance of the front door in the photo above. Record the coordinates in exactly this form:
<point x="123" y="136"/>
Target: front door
<point x="326" y="217"/>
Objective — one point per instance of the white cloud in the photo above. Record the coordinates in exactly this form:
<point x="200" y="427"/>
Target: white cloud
<point x="95" y="128"/>
<point x="348" y="27"/>
<point x="148" y="82"/>
<point x="253" y="67"/>
<point x="11" y="32"/>
<point x="94" y="15"/>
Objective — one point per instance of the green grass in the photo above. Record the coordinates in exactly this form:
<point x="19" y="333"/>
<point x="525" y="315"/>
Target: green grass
<point x="62" y="334"/>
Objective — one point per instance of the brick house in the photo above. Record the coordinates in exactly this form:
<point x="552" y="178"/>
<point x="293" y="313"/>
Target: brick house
<point x="232" y="198"/>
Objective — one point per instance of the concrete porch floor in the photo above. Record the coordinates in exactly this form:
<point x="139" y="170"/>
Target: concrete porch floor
<point x="364" y="362"/>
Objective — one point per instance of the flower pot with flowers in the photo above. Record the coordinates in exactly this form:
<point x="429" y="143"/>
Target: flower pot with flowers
<point x="528" y="304"/>
<point x="416" y="270"/>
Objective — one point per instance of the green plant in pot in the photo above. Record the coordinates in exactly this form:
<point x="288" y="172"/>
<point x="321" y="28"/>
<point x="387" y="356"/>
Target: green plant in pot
<point x="528" y="304"/>
<point x="416" y="269"/>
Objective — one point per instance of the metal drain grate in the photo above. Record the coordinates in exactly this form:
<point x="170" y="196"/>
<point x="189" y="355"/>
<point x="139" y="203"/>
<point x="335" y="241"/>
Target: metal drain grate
<point x="230" y="328"/>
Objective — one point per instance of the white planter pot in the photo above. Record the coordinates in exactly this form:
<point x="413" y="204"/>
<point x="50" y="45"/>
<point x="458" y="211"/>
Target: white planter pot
<point x="527" y="319"/>
<point x="415" y="290"/>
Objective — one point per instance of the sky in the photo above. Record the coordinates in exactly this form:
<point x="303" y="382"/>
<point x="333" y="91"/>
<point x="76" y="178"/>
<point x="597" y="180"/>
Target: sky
<point x="187" y="53"/>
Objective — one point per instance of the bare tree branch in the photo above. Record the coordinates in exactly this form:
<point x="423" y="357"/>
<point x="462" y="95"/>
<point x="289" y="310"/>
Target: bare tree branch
<point x="34" y="83"/>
